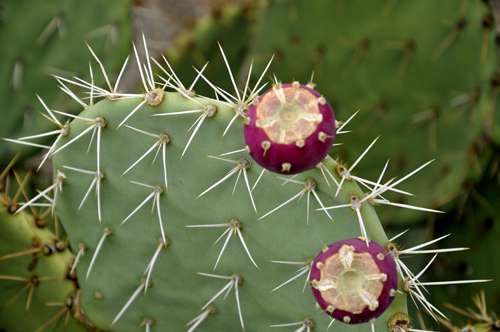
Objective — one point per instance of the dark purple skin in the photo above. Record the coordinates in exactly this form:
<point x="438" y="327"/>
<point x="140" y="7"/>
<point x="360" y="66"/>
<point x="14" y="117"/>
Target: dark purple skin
<point x="301" y="159"/>
<point x="387" y="266"/>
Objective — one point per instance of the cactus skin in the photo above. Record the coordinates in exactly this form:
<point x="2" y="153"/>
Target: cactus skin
<point x="22" y="24"/>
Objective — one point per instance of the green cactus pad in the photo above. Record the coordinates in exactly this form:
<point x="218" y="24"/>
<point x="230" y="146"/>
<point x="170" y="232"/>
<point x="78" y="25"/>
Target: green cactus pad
<point x="177" y="293"/>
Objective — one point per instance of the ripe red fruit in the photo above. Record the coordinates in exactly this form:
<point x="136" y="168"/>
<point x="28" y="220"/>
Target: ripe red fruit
<point x="354" y="283"/>
<point x="290" y="128"/>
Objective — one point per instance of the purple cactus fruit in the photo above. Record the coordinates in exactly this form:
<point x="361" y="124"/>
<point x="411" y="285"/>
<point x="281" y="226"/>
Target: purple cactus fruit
<point x="354" y="283"/>
<point x="290" y="128"/>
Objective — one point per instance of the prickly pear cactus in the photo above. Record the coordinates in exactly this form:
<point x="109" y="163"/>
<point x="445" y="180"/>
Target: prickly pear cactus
<point x="163" y="222"/>
<point x="175" y="226"/>
<point x="192" y="219"/>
